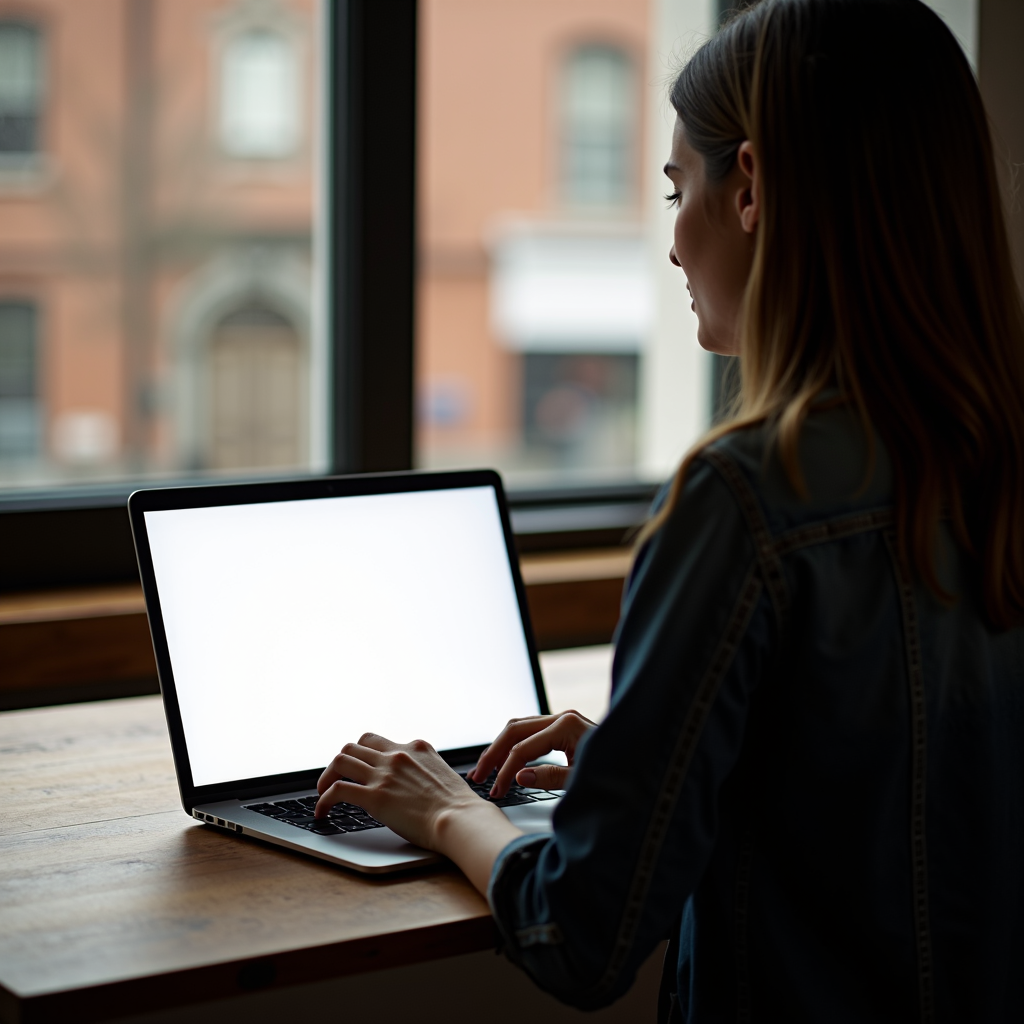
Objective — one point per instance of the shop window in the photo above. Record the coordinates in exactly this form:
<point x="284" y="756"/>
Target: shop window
<point x="579" y="410"/>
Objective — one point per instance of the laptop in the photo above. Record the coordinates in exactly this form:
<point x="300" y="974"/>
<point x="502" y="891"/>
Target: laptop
<point x="288" y="618"/>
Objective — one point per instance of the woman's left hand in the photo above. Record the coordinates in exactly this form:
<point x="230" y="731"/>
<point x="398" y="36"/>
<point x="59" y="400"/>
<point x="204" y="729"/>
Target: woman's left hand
<point x="409" y="788"/>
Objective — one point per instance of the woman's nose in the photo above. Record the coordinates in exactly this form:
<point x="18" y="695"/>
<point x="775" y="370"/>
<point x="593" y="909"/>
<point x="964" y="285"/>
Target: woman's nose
<point x="672" y="257"/>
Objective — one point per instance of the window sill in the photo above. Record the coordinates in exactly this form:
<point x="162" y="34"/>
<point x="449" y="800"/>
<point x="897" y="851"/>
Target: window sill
<point x="92" y="643"/>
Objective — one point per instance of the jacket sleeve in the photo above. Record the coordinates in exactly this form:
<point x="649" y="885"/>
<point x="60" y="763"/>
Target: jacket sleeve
<point x="582" y="909"/>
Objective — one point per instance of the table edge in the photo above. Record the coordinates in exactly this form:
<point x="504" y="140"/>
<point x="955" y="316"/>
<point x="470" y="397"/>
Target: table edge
<point x="208" y="982"/>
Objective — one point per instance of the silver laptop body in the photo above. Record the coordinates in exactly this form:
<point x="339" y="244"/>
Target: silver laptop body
<point x="288" y="618"/>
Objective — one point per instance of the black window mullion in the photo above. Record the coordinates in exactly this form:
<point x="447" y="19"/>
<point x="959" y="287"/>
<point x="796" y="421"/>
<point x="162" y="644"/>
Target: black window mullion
<point x="372" y="171"/>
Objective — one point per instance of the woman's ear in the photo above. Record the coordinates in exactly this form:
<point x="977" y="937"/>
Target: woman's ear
<point x="748" y="198"/>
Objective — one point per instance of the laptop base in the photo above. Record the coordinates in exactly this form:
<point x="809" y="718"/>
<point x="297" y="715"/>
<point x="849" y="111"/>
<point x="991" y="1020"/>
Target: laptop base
<point x="374" y="851"/>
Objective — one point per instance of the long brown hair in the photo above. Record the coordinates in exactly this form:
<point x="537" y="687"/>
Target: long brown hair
<point x="881" y="262"/>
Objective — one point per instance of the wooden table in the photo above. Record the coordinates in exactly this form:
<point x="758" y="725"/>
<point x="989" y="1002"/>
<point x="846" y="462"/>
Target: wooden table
<point x="113" y="901"/>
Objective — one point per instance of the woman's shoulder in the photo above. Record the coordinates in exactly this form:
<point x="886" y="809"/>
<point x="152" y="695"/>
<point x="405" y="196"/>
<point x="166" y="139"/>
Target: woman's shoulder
<point x="843" y="468"/>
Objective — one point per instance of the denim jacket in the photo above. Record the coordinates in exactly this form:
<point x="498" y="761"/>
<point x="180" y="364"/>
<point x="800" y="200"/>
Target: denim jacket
<point x="810" y="773"/>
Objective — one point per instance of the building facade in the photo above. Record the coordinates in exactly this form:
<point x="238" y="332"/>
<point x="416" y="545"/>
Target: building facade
<point x="534" y="299"/>
<point x="157" y="163"/>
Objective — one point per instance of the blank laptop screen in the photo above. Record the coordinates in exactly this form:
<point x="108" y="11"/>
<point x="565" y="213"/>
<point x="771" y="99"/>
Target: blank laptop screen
<point x="295" y="626"/>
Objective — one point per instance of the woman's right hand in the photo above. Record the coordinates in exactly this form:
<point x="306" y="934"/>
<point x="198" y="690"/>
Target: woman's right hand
<point x="524" y="740"/>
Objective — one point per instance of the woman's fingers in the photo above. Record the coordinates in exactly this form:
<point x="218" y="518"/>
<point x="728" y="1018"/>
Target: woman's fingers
<point x="338" y="792"/>
<point x="544" y="776"/>
<point x="377" y="742"/>
<point x="564" y="733"/>
<point x="345" y="766"/>
<point x="497" y="753"/>
<point x="365" y="755"/>
<point x="521" y="753"/>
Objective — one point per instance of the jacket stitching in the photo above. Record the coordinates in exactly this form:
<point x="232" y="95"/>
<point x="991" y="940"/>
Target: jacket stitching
<point x="742" y="901"/>
<point x="540" y="935"/>
<point x="919" y="764"/>
<point x="767" y="556"/>
<point x="675" y="776"/>
<point x="834" y="529"/>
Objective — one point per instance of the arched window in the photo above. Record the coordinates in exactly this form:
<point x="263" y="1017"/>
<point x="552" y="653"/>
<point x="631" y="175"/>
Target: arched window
<point x="21" y="88"/>
<point x="599" y="118"/>
<point x="260" y="115"/>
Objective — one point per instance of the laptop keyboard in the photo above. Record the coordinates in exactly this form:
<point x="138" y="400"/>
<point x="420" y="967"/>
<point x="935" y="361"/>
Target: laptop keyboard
<point x="515" y="795"/>
<point x="299" y="812"/>
<point x="350" y="818"/>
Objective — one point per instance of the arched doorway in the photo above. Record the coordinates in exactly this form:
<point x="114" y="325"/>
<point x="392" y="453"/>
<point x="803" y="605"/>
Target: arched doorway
<point x="257" y="391"/>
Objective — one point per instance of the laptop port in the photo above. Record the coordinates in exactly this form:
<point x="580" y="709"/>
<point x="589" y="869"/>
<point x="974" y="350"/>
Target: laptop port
<point x="220" y="821"/>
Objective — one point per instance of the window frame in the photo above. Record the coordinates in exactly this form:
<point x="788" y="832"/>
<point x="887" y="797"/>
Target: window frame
<point x="79" y="535"/>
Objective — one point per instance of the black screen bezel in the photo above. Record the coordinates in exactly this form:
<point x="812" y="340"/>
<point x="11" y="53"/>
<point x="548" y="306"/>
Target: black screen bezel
<point x="169" y="498"/>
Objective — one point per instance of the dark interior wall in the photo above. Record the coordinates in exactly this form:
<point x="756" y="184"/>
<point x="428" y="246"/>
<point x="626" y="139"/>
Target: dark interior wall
<point x="1001" y="76"/>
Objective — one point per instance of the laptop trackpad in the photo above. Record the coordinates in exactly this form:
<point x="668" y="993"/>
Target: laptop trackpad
<point x="380" y="849"/>
<point x="532" y="817"/>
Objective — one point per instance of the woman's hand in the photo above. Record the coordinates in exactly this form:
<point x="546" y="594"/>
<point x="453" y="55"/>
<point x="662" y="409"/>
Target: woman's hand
<point x="405" y="785"/>
<point x="524" y="740"/>
<point x="409" y="788"/>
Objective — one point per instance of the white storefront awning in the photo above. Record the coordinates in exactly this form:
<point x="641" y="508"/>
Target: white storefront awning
<point x="571" y="288"/>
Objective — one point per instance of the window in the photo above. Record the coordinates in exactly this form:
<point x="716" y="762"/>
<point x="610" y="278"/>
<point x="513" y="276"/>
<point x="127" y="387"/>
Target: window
<point x="21" y="89"/>
<point x="599" y="127"/>
<point x="19" y="383"/>
<point x="190" y="296"/>
<point x="180" y="326"/>
<point x="260" y="95"/>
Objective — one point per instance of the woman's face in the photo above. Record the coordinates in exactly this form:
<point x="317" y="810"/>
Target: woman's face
<point x="714" y="238"/>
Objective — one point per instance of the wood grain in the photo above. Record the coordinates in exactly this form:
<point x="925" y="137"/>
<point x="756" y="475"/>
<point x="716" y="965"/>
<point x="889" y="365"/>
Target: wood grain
<point x="574" y="614"/>
<point x="75" y="603"/>
<point x="576" y="566"/>
<point x="87" y="763"/>
<point x="55" y="652"/>
<point x="111" y="895"/>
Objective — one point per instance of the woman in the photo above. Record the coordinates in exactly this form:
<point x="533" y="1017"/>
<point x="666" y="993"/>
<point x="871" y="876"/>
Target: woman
<point x="811" y="772"/>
